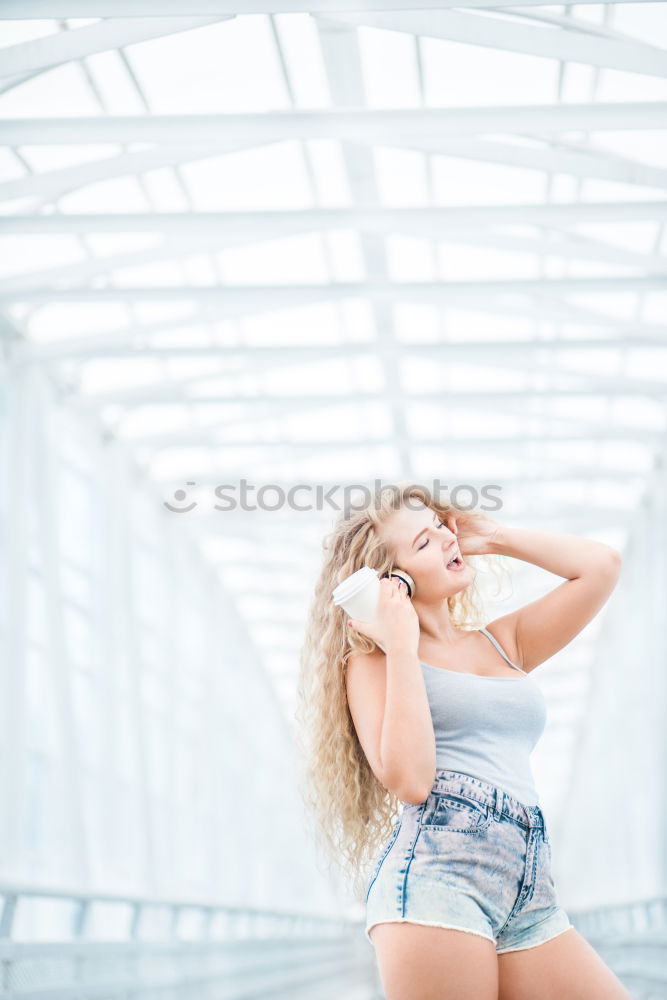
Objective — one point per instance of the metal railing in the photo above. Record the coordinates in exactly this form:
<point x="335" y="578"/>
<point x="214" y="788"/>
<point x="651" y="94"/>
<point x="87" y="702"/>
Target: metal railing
<point x="632" y="939"/>
<point x="111" y="946"/>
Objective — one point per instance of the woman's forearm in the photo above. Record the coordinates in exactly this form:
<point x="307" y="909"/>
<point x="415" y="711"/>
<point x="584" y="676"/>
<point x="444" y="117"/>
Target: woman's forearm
<point x="569" y="556"/>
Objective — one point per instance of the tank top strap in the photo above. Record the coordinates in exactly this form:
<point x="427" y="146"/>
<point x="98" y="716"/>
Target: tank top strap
<point x="500" y="649"/>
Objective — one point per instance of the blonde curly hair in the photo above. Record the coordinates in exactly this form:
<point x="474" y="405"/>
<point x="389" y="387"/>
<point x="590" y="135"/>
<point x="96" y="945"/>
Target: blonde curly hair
<point x="354" y="812"/>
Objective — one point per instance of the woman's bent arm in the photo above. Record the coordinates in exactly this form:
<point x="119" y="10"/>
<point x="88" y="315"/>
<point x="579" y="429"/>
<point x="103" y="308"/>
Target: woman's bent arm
<point x="591" y="570"/>
<point x="407" y="745"/>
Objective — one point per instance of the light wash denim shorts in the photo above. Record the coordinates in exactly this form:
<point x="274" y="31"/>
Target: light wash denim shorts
<point x="471" y="858"/>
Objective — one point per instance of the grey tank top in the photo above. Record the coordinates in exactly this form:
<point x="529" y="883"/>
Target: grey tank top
<point x="487" y="726"/>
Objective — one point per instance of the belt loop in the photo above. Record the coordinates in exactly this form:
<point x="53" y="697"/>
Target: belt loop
<point x="498" y="804"/>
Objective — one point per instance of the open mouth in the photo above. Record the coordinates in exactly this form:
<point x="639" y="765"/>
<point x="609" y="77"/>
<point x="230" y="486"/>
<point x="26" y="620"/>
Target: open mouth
<point x="456" y="564"/>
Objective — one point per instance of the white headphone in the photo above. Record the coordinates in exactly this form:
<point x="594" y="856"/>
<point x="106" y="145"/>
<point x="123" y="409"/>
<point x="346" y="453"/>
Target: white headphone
<point x="406" y="579"/>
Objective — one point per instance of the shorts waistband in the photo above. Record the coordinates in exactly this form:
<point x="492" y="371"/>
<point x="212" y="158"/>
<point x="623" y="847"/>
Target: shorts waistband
<point x="499" y="801"/>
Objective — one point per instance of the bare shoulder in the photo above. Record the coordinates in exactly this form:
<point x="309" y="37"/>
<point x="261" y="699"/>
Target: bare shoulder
<point x="504" y="630"/>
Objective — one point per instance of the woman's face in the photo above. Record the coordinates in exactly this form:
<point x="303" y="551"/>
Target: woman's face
<point x="423" y="545"/>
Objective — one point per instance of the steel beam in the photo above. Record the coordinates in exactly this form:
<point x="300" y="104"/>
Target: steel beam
<point x="112" y="33"/>
<point x="560" y="156"/>
<point x="240" y="299"/>
<point x="358" y="124"/>
<point x="434" y="221"/>
<point x="582" y="42"/>
<point x="85" y="348"/>
<point x="24" y="9"/>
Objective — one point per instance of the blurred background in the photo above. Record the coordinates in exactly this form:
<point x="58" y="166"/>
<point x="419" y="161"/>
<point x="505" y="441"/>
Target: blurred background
<point x="318" y="243"/>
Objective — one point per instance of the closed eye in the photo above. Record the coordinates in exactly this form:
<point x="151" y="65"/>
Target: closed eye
<point x="440" y="525"/>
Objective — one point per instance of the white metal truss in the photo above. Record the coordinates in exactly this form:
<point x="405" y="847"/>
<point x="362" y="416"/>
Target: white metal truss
<point x="112" y="33"/>
<point x="145" y="8"/>
<point x="552" y="153"/>
<point x="384" y="126"/>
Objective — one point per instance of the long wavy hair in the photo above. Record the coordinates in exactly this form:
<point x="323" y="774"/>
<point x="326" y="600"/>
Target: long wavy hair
<point x="353" y="812"/>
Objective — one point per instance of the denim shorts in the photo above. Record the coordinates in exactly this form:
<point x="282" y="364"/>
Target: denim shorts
<point x="470" y="858"/>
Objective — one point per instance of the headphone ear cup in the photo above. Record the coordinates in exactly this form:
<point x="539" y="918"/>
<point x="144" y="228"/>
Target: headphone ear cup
<point x="400" y="574"/>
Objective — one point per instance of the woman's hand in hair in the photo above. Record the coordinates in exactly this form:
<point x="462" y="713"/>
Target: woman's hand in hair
<point x="396" y="624"/>
<point x="474" y="532"/>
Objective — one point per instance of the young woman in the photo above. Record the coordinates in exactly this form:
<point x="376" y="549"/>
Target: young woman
<point x="435" y="733"/>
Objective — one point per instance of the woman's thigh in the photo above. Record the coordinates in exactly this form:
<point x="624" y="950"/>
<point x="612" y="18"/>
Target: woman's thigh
<point x="417" y="962"/>
<point x="565" y="968"/>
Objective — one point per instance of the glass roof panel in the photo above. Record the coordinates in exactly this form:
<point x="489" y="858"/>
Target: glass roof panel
<point x="214" y="72"/>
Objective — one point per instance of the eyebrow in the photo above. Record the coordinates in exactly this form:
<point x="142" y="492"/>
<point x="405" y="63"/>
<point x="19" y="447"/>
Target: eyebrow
<point x="435" y="518"/>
